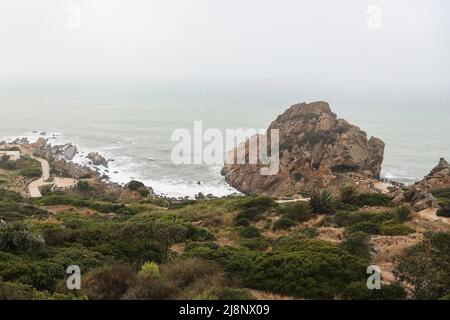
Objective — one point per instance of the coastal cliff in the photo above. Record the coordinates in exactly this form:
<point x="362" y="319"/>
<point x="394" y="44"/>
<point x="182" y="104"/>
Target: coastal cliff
<point x="316" y="150"/>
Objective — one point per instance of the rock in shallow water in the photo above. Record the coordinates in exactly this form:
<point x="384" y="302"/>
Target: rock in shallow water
<point x="70" y="151"/>
<point x="97" y="159"/>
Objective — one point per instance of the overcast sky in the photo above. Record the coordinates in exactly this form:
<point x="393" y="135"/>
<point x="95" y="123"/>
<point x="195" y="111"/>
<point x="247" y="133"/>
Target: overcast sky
<point x="277" y="41"/>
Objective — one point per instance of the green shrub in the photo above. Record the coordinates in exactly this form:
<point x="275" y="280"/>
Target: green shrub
<point x="193" y="278"/>
<point x="348" y="193"/>
<point x="19" y="291"/>
<point x="444" y="212"/>
<point x="31" y="172"/>
<point x="17" y="237"/>
<point x="46" y="189"/>
<point x="160" y="202"/>
<point x="262" y="203"/>
<point x="85" y="258"/>
<point x="201" y="244"/>
<point x="15" y="208"/>
<point x="373" y="199"/>
<point x="237" y="262"/>
<point x="149" y="288"/>
<point x="7" y="164"/>
<point x="249" y="232"/>
<point x="403" y="213"/>
<point x="16" y="291"/>
<point x="41" y="274"/>
<point x="341" y="206"/>
<point x="258" y="244"/>
<point x="193" y="233"/>
<point x="297" y="211"/>
<point x="311" y="274"/>
<point x="134" y="185"/>
<point x="425" y="266"/>
<point x="310" y="233"/>
<point x="83" y="186"/>
<point x="322" y="202"/>
<point x="235" y="294"/>
<point x="364" y="226"/>
<point x="357" y="243"/>
<point x="295" y="239"/>
<point x="293" y="244"/>
<point x="393" y="228"/>
<point x="143" y="191"/>
<point x="108" y="283"/>
<point x="101" y="206"/>
<point x="305" y="269"/>
<point x="283" y="224"/>
<point x="252" y="214"/>
<point x="345" y="218"/>
<point x="149" y="269"/>
<point x="242" y="222"/>
<point x="359" y="291"/>
<point x="442" y="193"/>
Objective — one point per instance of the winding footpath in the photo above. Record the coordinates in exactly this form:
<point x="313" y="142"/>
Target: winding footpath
<point x="36" y="184"/>
<point x="63" y="183"/>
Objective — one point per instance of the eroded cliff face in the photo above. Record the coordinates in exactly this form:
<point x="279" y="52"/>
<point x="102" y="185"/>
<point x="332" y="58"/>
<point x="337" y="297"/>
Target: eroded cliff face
<point x="316" y="150"/>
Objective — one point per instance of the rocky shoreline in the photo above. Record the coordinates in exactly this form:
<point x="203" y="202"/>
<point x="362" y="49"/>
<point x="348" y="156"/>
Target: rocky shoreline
<point x="61" y="157"/>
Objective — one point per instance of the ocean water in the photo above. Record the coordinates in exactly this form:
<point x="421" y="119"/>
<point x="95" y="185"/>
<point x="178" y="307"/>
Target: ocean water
<point x="133" y="123"/>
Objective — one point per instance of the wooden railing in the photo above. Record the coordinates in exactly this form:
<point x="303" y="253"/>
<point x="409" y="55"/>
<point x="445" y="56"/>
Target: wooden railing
<point x="373" y="188"/>
<point x="381" y="179"/>
<point x="356" y="177"/>
<point x="392" y="182"/>
<point x="55" y="188"/>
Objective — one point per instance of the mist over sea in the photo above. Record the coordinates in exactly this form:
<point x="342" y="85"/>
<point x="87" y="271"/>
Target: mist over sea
<point x="132" y="124"/>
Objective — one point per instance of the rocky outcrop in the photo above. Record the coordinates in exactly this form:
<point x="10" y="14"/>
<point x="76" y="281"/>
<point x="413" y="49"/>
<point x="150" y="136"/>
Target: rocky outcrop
<point x="61" y="156"/>
<point x="419" y="195"/>
<point x="316" y="150"/>
<point x="48" y="151"/>
<point x="70" y="151"/>
<point x="418" y="198"/>
<point x="438" y="178"/>
<point x="97" y="160"/>
<point x="69" y="169"/>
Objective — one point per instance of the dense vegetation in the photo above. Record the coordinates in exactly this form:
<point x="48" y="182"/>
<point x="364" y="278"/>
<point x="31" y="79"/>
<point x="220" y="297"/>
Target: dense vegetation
<point x="143" y="248"/>
<point x="443" y="196"/>
<point x="26" y="166"/>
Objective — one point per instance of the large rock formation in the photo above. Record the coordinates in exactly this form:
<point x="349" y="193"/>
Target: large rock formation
<point x="414" y="196"/>
<point x="97" y="159"/>
<point x="317" y="150"/>
<point x="439" y="177"/>
<point x="46" y="150"/>
<point x="70" y="151"/>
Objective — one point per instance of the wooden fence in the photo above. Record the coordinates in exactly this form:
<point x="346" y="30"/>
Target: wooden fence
<point x="55" y="188"/>
<point x="381" y="179"/>
<point x="392" y="182"/>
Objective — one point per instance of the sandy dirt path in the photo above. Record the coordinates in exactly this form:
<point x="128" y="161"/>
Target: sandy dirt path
<point x="36" y="184"/>
<point x="42" y="181"/>
<point x="293" y="200"/>
<point x="430" y="215"/>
